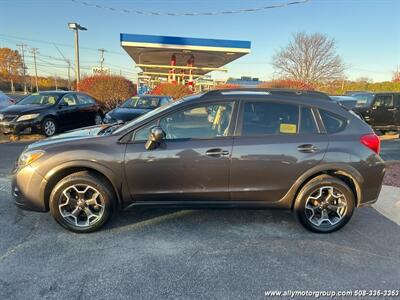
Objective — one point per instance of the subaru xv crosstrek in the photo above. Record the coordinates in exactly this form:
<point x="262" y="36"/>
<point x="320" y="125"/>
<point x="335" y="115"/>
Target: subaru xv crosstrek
<point x="293" y="150"/>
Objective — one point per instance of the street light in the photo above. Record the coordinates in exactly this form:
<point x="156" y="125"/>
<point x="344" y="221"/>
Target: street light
<point x="76" y="27"/>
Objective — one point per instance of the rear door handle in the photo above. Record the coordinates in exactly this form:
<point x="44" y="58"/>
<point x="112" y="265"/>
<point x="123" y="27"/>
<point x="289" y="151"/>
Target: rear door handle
<point x="307" y="148"/>
<point x="216" y="152"/>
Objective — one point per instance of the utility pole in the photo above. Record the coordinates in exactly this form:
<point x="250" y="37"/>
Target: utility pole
<point x="76" y="27"/>
<point x="102" y="58"/>
<point x="22" y="46"/>
<point x="34" y="52"/>
<point x="55" y="79"/>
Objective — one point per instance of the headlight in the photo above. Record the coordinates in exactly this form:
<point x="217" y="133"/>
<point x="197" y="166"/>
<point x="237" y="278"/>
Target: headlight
<point x="27" y="117"/>
<point x="29" y="157"/>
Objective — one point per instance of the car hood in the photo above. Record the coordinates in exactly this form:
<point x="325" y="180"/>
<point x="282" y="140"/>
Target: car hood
<point x="74" y="135"/>
<point x="23" y="109"/>
<point x="127" y="114"/>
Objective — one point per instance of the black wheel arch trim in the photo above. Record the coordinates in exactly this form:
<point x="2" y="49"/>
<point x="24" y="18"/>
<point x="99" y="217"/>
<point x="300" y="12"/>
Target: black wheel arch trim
<point x="81" y="165"/>
<point x="340" y="169"/>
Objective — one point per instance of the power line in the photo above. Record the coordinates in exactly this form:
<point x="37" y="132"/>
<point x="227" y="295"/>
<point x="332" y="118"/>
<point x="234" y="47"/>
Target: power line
<point x="19" y="38"/>
<point x="22" y="46"/>
<point x="189" y="14"/>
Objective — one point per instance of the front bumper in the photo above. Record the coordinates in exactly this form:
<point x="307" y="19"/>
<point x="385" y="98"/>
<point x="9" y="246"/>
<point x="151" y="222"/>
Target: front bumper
<point x="26" y="189"/>
<point x="13" y="127"/>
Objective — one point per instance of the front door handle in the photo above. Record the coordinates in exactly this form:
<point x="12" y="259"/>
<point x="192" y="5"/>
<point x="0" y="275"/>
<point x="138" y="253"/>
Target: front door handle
<point x="307" y="148"/>
<point x="216" y="152"/>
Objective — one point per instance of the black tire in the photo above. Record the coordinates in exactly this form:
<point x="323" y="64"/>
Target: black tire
<point x="49" y="127"/>
<point x="314" y="186"/>
<point x="82" y="179"/>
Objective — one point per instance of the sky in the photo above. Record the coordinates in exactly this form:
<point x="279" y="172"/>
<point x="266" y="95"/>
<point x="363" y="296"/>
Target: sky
<point x="366" y="31"/>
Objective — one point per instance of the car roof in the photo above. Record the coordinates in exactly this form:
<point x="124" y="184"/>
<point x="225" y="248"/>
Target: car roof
<point x="152" y="96"/>
<point x="298" y="96"/>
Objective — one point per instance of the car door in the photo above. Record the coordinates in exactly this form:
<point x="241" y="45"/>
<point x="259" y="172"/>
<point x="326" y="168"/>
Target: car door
<point x="192" y="163"/>
<point x="67" y="112"/>
<point x="276" y="142"/>
<point x="87" y="109"/>
<point x="383" y="111"/>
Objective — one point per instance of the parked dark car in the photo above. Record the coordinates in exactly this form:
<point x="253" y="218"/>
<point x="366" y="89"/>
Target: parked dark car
<point x="5" y="100"/>
<point x="135" y="107"/>
<point x="50" y="112"/>
<point x="346" y="101"/>
<point x="285" y="149"/>
<point x="380" y="110"/>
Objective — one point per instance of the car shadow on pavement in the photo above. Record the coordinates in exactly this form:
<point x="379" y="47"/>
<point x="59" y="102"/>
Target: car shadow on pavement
<point x="208" y="218"/>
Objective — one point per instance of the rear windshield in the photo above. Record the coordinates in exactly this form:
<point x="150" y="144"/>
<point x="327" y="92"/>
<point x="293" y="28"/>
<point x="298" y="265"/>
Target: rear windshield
<point x="141" y="102"/>
<point x="40" y="99"/>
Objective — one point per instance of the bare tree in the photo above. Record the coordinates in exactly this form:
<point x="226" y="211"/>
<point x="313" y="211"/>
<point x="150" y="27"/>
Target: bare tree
<point x="309" y="58"/>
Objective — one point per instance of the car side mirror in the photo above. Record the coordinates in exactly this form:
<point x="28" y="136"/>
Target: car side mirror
<point x="156" y="135"/>
<point x="62" y="105"/>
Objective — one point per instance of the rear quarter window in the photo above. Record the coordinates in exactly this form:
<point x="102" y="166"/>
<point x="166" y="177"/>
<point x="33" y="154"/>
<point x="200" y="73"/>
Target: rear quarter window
<point x="332" y="122"/>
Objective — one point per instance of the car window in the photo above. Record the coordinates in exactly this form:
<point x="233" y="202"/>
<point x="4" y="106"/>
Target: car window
<point x="397" y="97"/>
<point x="83" y="99"/>
<point x="307" y="121"/>
<point x="164" y="101"/>
<point x="203" y="121"/>
<point x="332" y="122"/>
<point x="146" y="102"/>
<point x="261" y="118"/>
<point x="68" y="100"/>
<point x="384" y="101"/>
<point x="142" y="133"/>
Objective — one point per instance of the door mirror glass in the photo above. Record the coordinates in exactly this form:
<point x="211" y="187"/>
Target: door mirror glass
<point x="156" y="135"/>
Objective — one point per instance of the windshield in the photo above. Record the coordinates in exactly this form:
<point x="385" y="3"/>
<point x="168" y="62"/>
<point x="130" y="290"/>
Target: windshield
<point x="364" y="100"/>
<point x="141" y="102"/>
<point x="40" y="99"/>
<point x="153" y="112"/>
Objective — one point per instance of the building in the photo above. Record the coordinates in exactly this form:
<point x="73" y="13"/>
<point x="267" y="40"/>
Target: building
<point x="179" y="59"/>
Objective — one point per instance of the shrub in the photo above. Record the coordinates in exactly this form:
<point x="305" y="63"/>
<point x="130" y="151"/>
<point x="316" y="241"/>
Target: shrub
<point x="173" y="90"/>
<point x="108" y="90"/>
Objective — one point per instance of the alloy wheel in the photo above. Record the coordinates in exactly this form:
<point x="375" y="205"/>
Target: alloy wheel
<point x="49" y="127"/>
<point x="326" y="207"/>
<point x="81" y="205"/>
<point x="98" y="120"/>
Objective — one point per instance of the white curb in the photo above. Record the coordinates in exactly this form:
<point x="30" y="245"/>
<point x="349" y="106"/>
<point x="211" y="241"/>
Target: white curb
<point x="388" y="203"/>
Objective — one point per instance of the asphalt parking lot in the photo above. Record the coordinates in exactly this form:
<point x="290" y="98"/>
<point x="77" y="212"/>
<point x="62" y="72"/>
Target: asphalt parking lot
<point x="190" y="254"/>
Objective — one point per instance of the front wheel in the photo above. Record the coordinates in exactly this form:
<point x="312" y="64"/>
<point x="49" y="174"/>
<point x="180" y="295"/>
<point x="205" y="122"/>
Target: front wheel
<point x="82" y="202"/>
<point x="325" y="204"/>
<point x="49" y="127"/>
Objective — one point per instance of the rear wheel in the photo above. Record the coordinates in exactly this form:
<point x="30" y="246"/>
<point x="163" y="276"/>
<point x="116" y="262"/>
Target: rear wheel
<point x="325" y="204"/>
<point x="82" y="202"/>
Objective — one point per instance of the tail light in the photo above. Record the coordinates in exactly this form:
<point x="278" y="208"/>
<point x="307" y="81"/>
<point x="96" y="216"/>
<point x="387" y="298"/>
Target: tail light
<point x="371" y="141"/>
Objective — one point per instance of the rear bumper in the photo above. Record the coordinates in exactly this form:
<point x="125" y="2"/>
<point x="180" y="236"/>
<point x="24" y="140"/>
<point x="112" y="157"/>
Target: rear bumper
<point x="26" y="189"/>
<point x="19" y="127"/>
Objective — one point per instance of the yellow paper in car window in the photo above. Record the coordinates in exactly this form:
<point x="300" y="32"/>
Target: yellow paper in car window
<point x="287" y="128"/>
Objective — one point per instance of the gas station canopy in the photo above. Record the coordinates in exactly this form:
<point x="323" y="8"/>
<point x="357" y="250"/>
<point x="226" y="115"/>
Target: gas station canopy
<point x="180" y="57"/>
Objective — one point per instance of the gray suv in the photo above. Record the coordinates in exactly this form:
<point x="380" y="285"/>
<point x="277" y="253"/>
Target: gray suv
<point x="285" y="149"/>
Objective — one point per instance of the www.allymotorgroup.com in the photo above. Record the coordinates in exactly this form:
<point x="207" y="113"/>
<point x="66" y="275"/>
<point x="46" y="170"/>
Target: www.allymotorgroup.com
<point x="333" y="294"/>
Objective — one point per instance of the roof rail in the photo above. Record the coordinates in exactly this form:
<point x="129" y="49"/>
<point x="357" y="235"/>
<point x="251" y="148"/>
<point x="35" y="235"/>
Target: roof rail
<point x="264" y="91"/>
